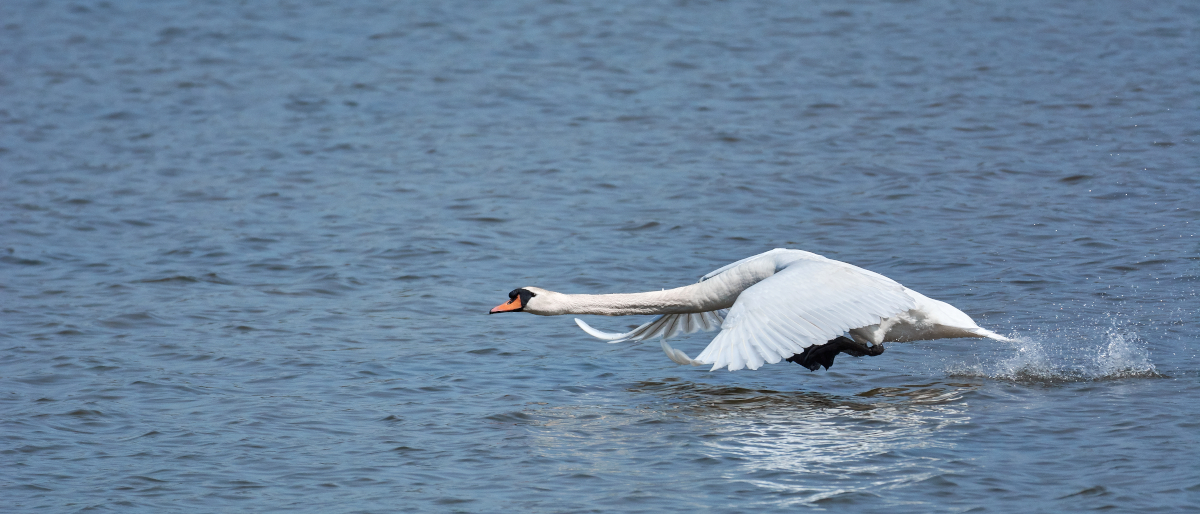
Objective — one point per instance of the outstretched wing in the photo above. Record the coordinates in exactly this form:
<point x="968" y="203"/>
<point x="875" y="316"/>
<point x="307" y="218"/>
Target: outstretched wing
<point x="808" y="302"/>
<point x="665" y="326"/>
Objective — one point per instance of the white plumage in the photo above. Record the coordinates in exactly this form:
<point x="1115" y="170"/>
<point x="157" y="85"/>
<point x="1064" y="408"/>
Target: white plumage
<point x="768" y="307"/>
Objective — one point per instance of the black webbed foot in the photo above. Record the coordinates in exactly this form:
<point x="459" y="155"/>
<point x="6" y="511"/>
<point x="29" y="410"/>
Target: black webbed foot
<point x="819" y="355"/>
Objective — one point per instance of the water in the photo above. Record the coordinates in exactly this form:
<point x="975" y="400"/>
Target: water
<point x="246" y="251"/>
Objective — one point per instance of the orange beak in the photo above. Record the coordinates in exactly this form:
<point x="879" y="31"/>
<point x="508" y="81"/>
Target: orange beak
<point x="512" y="305"/>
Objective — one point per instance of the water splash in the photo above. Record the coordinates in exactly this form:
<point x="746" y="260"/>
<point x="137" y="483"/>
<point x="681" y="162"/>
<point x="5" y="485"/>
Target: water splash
<point x="1125" y="357"/>
<point x="1071" y="357"/>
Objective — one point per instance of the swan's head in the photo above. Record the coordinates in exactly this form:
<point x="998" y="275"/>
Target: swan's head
<point x="533" y="300"/>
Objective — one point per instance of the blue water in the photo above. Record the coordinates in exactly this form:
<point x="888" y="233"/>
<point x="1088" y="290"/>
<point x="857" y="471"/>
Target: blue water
<point x="246" y="251"/>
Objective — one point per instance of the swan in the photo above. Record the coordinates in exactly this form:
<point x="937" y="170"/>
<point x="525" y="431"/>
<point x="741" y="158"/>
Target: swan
<point x="779" y="305"/>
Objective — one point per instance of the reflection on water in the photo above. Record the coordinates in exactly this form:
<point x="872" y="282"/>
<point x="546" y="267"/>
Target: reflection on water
<point x="799" y="447"/>
<point x="814" y="447"/>
<point x="705" y="397"/>
<point x="701" y="397"/>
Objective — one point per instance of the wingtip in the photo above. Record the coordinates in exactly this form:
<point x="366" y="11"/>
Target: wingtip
<point x="679" y="357"/>
<point x="610" y="337"/>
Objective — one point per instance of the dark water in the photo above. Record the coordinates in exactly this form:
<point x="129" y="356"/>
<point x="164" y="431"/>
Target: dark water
<point x="246" y="250"/>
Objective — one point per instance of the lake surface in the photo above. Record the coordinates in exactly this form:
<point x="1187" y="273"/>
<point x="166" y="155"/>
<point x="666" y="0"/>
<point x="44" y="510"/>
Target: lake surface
<point x="246" y="252"/>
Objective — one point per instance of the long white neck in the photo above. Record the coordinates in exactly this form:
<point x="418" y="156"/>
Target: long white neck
<point x="675" y="301"/>
<point x="716" y="293"/>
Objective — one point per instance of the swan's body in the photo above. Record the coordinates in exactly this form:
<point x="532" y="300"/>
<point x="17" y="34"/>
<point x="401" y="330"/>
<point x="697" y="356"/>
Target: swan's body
<point x="769" y="307"/>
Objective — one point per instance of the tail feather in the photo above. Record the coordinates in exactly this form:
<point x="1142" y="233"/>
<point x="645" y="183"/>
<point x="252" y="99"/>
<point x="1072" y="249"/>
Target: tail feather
<point x="983" y="332"/>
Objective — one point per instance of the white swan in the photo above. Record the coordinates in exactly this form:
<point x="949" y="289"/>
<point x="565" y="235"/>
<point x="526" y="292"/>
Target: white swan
<point x="779" y="305"/>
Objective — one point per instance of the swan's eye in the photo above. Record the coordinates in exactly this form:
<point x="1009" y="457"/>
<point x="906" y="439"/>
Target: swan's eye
<point x="523" y="294"/>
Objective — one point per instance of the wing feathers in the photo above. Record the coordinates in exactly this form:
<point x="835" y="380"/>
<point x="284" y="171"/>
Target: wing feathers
<point x="808" y="302"/>
<point x="666" y="326"/>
